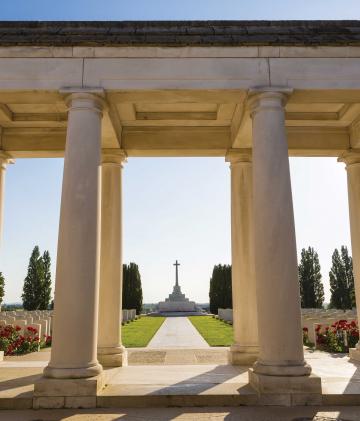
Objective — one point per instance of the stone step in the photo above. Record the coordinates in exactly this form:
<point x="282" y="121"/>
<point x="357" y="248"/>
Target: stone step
<point x="166" y="356"/>
<point x="185" y="395"/>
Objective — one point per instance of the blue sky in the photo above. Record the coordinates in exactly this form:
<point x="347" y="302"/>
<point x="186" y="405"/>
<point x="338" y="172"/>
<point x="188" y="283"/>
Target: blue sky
<point x="176" y="9"/>
<point x="173" y="208"/>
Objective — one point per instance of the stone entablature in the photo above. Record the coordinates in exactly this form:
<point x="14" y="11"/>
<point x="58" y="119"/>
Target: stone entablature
<point x="180" y="33"/>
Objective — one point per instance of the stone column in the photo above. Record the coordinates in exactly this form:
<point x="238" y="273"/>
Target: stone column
<point x="4" y="161"/>
<point x="281" y="354"/>
<point x="110" y="350"/>
<point x="73" y="353"/>
<point x="245" y="349"/>
<point x="352" y="161"/>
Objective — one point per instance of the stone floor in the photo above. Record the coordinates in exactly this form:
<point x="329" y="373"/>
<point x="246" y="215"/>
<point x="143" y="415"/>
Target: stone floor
<point x="180" y="383"/>
<point x="177" y="332"/>
<point x="189" y="414"/>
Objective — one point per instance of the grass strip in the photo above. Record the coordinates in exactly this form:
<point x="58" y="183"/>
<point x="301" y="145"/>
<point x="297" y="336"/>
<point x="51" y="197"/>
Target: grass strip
<point x="214" y="331"/>
<point x="138" y="333"/>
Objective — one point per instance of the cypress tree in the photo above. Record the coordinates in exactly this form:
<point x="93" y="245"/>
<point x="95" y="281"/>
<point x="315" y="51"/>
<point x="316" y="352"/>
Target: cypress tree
<point x="349" y="276"/>
<point x="2" y="288"/>
<point x="45" y="295"/>
<point x="220" y="293"/>
<point x="214" y="291"/>
<point x="132" y="290"/>
<point x="32" y="283"/>
<point x="311" y="287"/>
<point x="342" y="280"/>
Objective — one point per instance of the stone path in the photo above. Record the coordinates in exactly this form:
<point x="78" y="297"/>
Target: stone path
<point x="177" y="332"/>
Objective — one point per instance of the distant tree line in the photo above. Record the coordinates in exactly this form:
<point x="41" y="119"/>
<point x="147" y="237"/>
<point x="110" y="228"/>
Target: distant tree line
<point x="340" y="276"/>
<point x="312" y="295"/>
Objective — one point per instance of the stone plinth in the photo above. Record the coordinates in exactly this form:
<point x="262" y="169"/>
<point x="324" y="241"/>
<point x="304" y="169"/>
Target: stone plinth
<point x="169" y="306"/>
<point x="67" y="393"/>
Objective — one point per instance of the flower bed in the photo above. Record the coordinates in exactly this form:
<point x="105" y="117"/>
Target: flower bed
<point x="12" y="342"/>
<point x="338" y="337"/>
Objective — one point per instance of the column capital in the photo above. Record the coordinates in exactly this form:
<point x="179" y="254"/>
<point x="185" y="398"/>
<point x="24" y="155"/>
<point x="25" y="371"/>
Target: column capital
<point x="84" y="98"/>
<point x="5" y="159"/>
<point x="351" y="157"/>
<point x="113" y="156"/>
<point x="267" y="97"/>
<point x="236" y="156"/>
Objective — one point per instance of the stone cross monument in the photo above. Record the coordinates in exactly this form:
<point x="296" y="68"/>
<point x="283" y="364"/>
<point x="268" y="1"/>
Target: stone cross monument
<point x="177" y="302"/>
<point x="176" y="264"/>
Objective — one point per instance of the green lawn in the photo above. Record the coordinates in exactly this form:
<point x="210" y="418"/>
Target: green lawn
<point x="214" y="331"/>
<point x="137" y="334"/>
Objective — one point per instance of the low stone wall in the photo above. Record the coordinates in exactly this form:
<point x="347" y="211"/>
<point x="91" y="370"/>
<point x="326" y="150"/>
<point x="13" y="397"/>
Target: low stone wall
<point x="225" y="314"/>
<point x="128" y="315"/>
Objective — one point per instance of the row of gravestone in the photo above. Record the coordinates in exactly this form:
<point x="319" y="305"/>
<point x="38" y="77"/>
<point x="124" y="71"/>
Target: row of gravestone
<point x="311" y="318"/>
<point x="41" y="320"/>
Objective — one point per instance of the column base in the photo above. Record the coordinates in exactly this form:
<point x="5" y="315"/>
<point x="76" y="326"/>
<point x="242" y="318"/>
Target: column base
<point x="354" y="354"/>
<point x="112" y="356"/>
<point x="286" y="390"/>
<point x="67" y="393"/>
<point x="72" y="373"/>
<point x="243" y="355"/>
<point x="292" y="369"/>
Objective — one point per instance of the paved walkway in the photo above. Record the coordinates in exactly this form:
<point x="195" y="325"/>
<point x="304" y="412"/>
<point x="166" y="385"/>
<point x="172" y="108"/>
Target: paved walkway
<point x="177" y="332"/>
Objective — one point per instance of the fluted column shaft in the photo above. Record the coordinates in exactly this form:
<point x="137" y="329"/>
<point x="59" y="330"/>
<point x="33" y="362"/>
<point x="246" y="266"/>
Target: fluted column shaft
<point x="73" y="353"/>
<point x="278" y="297"/>
<point x="110" y="349"/>
<point x="245" y="348"/>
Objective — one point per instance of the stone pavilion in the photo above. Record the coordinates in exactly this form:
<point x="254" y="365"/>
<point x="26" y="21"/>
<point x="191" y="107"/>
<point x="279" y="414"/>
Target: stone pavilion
<point x="251" y="92"/>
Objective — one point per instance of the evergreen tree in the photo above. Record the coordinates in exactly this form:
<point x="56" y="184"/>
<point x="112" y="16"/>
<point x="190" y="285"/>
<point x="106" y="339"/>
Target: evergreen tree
<point x="342" y="280"/>
<point x="45" y="295"/>
<point x="220" y="293"/>
<point x="349" y="275"/>
<point x="132" y="290"/>
<point x="32" y="282"/>
<point x="311" y="287"/>
<point x="2" y="288"/>
<point x="37" y="284"/>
